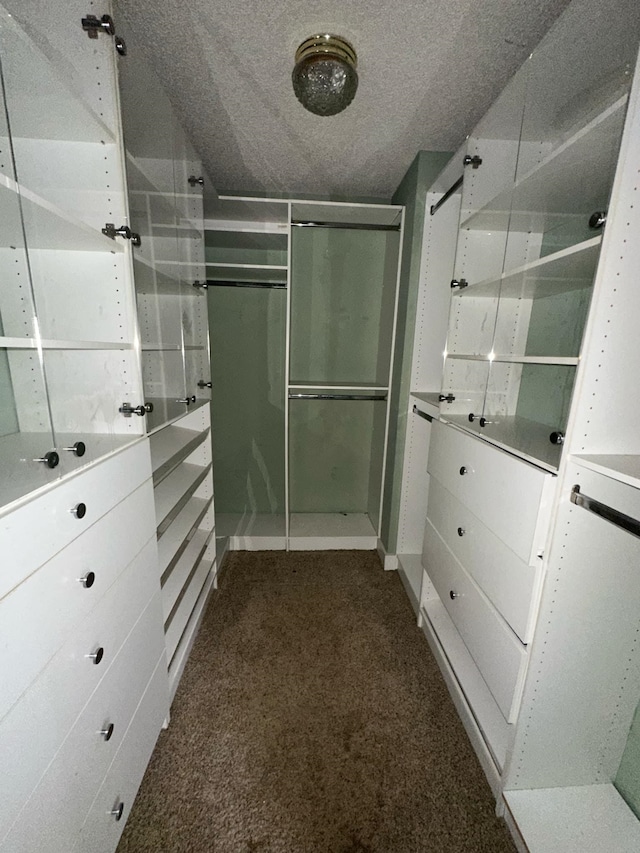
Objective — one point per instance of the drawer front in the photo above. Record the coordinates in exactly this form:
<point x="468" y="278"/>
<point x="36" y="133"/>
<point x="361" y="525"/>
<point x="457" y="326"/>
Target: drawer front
<point x="505" y="493"/>
<point x="505" y="579"/>
<point x="100" y="488"/>
<point x="499" y="656"/>
<point x="101" y="830"/>
<point x="39" y="615"/>
<point x="33" y="730"/>
<point x="82" y="762"/>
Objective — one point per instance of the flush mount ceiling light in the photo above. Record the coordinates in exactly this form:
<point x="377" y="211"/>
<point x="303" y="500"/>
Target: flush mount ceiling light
<point x="325" y="77"/>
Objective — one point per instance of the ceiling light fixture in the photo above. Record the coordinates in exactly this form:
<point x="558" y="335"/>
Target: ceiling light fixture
<point x="325" y="77"/>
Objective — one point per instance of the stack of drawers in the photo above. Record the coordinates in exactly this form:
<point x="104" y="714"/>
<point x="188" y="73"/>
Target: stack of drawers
<point x="486" y="523"/>
<point x="84" y="691"/>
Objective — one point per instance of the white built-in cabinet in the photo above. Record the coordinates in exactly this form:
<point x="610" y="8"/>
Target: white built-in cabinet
<point x="106" y="499"/>
<point x="518" y="534"/>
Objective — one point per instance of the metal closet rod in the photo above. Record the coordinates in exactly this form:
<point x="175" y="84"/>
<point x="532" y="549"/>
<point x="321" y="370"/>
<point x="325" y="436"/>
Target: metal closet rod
<point x="300" y="223"/>
<point x="274" y="285"/>
<point x="337" y="396"/>
<point x="626" y="522"/>
<point x="447" y="195"/>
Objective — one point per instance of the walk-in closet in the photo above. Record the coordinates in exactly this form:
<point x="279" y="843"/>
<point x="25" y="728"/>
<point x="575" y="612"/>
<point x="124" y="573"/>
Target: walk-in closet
<point x="302" y="303"/>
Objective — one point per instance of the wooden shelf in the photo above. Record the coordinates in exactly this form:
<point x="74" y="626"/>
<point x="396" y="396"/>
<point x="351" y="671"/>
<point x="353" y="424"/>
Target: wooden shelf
<point x="569" y="269"/>
<point x="569" y="182"/>
<point x="47" y="226"/>
<point x="173" y="539"/>
<point x="175" y="490"/>
<point x="574" y="820"/>
<point x="170" y="446"/>
<point x="175" y="578"/>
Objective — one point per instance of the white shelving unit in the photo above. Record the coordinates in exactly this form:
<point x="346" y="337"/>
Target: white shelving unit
<point x="540" y="340"/>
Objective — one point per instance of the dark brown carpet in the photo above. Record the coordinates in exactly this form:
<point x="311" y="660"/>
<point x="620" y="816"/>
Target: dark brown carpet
<point x="312" y="718"/>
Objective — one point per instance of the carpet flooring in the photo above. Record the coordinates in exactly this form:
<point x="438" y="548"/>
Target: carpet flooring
<point x="312" y="718"/>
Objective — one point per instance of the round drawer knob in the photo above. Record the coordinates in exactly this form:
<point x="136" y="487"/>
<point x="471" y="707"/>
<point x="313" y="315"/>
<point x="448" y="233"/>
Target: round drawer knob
<point x="80" y="510"/>
<point x="556" y="437"/>
<point x="88" y="580"/>
<point x="472" y="417"/>
<point x="463" y="471"/>
<point x="50" y="459"/>
<point x="453" y="595"/>
<point x="461" y="531"/>
<point x="79" y="448"/>
<point x="96" y="656"/>
<point x="107" y="731"/>
<point x="117" y="811"/>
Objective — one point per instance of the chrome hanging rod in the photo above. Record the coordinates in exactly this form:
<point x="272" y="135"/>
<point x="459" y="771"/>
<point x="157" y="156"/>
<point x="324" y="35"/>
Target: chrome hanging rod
<point x="421" y="414"/>
<point x="299" y="223"/>
<point x="274" y="285"/>
<point x="446" y="196"/>
<point x="337" y="396"/>
<point x="626" y="522"/>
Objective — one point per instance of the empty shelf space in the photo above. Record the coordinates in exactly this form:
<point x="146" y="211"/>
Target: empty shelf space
<point x="175" y="490"/>
<point x="576" y="819"/>
<point x="170" y="446"/>
<point x="45" y="225"/>
<point x="563" y="271"/>
<point x="176" y="535"/>
<point x="346" y="214"/>
<point x="572" y="180"/>
<point x="327" y="530"/>
<point x="177" y="575"/>
<point x="219" y="274"/>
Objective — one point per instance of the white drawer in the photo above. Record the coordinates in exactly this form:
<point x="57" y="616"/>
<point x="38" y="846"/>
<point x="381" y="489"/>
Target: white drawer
<point x="508" y="581"/>
<point x="39" y="615"/>
<point x="73" y="778"/>
<point x="33" y="730"/>
<point x="507" y="494"/>
<point x="499" y="656"/>
<point x="102" y="829"/>
<point x="40" y="528"/>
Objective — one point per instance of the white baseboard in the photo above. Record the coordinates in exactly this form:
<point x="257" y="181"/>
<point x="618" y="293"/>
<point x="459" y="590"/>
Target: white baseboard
<point x="389" y="561"/>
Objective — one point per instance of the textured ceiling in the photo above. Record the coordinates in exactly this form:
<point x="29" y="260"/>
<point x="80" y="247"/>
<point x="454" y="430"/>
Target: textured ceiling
<point x="428" y="70"/>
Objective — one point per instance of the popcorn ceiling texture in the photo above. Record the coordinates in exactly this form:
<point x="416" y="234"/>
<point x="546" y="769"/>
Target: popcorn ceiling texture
<point x="428" y="70"/>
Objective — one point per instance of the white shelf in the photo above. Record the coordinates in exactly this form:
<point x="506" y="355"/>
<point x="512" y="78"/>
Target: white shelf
<point x="176" y="578"/>
<point x="519" y="436"/>
<point x="47" y="226"/>
<point x="334" y="386"/>
<point x="428" y="402"/>
<point x="331" y="530"/>
<point x="563" y="271"/>
<point x="183" y="610"/>
<point x="166" y="411"/>
<point x="174" y="537"/>
<point x="173" y="492"/>
<point x="464" y="674"/>
<point x="171" y="446"/>
<point x="346" y="213"/>
<point x="516" y="359"/>
<point x="568" y="182"/>
<point x="574" y="820"/>
<point x="625" y="469"/>
<point x="46" y="344"/>
<point x="246" y="266"/>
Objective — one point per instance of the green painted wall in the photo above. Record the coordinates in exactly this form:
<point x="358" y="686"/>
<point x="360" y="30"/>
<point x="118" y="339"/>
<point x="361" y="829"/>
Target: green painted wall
<point x="247" y="329"/>
<point x="628" y="779"/>
<point x="412" y="193"/>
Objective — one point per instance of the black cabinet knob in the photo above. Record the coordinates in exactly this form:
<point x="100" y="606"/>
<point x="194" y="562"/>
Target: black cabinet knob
<point x="463" y="471"/>
<point x="203" y="384"/>
<point x="117" y="810"/>
<point x="79" y="448"/>
<point x="50" y="459"/>
<point x="80" y="510"/>
<point x="472" y="417"/>
<point x="88" y="580"/>
<point x="107" y="731"/>
<point x="556" y="437"/>
<point x="453" y="595"/>
<point x="461" y="531"/>
<point x="597" y="219"/>
<point x="193" y="181"/>
<point x="96" y="656"/>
